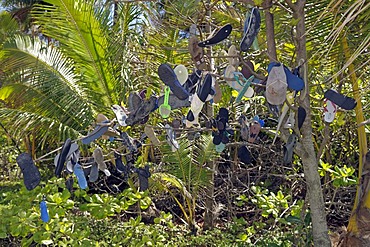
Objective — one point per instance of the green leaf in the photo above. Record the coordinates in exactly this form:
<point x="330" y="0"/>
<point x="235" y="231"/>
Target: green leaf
<point x="294" y="219"/>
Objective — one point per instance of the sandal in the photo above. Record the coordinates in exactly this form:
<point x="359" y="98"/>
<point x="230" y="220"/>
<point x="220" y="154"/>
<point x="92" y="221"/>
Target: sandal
<point x="289" y="148"/>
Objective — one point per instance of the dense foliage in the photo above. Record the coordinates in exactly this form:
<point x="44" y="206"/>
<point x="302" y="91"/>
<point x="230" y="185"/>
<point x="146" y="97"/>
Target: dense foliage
<point x="63" y="62"/>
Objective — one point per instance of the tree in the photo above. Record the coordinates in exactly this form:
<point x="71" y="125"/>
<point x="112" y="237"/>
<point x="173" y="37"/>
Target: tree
<point x="71" y="74"/>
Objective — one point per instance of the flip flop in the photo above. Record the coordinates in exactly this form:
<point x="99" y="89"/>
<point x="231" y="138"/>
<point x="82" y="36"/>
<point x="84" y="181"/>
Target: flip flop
<point x="143" y="174"/>
<point x="301" y="116"/>
<point x="100" y="129"/>
<point x="217" y="139"/>
<point x="329" y="111"/>
<point x="31" y="175"/>
<point x="247" y="69"/>
<point x="233" y="58"/>
<point x="121" y="168"/>
<point x="128" y="142"/>
<point x="251" y="28"/>
<point x="294" y="81"/>
<point x="254" y="130"/>
<point x="192" y="81"/>
<point x="289" y="124"/>
<point x="62" y="157"/>
<point x="218" y="92"/>
<point x="197" y="53"/>
<point x="73" y="148"/>
<point x="244" y="128"/>
<point x="276" y="85"/>
<point x="182" y="73"/>
<point x="223" y="113"/>
<point x="69" y="184"/>
<point x="99" y="159"/>
<point x="143" y="97"/>
<point x="284" y="111"/>
<point x="237" y="81"/>
<point x="71" y="160"/>
<point x="205" y="88"/>
<point x="121" y="114"/>
<point x="143" y="110"/>
<point x="94" y="173"/>
<point x="171" y="138"/>
<point x="229" y="77"/>
<point x="244" y="86"/>
<point x="219" y="127"/>
<point x="169" y="78"/>
<point x="80" y="175"/>
<point x="244" y="155"/>
<point x="134" y="101"/>
<point x="289" y="148"/>
<point x="217" y="37"/>
<point x="340" y="100"/>
<point x="192" y="118"/>
<point x="151" y="135"/>
<point x="44" y="211"/>
<point x="174" y="102"/>
<point x="220" y="147"/>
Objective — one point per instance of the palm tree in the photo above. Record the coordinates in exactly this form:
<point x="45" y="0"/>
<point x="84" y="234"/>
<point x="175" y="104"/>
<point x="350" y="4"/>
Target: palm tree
<point x="56" y="82"/>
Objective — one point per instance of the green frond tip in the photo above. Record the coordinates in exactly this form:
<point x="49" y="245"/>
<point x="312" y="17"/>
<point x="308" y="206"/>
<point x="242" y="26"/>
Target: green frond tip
<point x="171" y="180"/>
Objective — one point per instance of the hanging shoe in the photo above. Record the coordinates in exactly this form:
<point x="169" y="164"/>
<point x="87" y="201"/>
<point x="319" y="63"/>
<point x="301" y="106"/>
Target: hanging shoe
<point x="31" y="175"/>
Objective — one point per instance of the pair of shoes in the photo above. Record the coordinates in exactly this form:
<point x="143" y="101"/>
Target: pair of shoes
<point x="237" y="81"/>
<point x="203" y="93"/>
<point x="139" y="108"/>
<point x="71" y="157"/>
<point x="97" y="165"/>
<point x="255" y="128"/>
<point x="221" y="130"/>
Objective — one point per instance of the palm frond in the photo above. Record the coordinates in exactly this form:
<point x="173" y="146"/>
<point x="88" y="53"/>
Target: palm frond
<point x="83" y="37"/>
<point x="188" y="163"/>
<point x="168" y="180"/>
<point x="40" y="82"/>
<point x="8" y="26"/>
<point x="49" y="131"/>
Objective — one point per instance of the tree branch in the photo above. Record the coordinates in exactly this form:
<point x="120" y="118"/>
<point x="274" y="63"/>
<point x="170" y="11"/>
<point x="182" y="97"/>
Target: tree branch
<point x="291" y="5"/>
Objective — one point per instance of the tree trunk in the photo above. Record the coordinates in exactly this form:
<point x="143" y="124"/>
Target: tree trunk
<point x="210" y="190"/>
<point x="358" y="226"/>
<point x="270" y="32"/>
<point x="307" y="151"/>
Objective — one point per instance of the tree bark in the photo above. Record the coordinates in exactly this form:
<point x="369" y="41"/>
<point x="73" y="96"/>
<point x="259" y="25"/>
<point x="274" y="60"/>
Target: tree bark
<point x="210" y="190"/>
<point x="270" y="32"/>
<point x="307" y="153"/>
